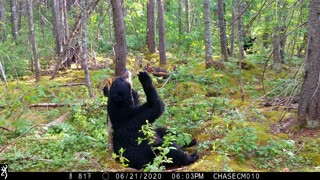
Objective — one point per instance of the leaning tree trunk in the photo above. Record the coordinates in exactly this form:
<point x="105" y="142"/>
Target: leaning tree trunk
<point x="3" y="35"/>
<point x="222" y="27"/>
<point x="120" y="46"/>
<point x="33" y="41"/>
<point x="84" y="46"/>
<point x="162" y="33"/>
<point x="14" y="20"/>
<point x="151" y="27"/>
<point x="207" y="34"/>
<point x="309" y="101"/>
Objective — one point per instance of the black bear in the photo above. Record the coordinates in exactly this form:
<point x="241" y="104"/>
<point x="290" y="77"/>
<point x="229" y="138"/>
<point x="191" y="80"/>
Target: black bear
<point x="248" y="43"/>
<point x="127" y="117"/>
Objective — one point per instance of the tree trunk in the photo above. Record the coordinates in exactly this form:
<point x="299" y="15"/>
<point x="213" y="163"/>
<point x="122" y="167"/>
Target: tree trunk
<point x="57" y="28"/>
<point x="151" y="29"/>
<point x="162" y="33"/>
<point x="241" y="50"/>
<point x="265" y="36"/>
<point x="278" y="45"/>
<point x="84" y="46"/>
<point x="3" y="35"/>
<point x="207" y="33"/>
<point x="309" y="101"/>
<point x="240" y="31"/>
<point x="187" y="3"/>
<point x="64" y="22"/>
<point x="21" y="12"/>
<point x="233" y="27"/>
<point x="222" y="27"/>
<point x="180" y="21"/>
<point x="14" y="20"/>
<point x="120" y="46"/>
<point x="33" y="41"/>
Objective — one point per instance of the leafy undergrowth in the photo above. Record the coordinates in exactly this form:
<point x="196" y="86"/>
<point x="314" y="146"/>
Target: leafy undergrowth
<point x="255" y="135"/>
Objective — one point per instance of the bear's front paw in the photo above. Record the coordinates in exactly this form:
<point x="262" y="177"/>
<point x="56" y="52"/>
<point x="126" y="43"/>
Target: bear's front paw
<point x="144" y="78"/>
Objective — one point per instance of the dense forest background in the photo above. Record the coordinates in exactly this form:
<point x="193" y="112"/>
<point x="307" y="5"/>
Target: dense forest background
<point x="241" y="76"/>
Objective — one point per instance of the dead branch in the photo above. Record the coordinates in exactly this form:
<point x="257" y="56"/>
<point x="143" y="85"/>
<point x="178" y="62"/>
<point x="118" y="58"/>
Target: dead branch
<point x="3" y="128"/>
<point x="9" y="145"/>
<point x="68" y="85"/>
<point x="54" y="104"/>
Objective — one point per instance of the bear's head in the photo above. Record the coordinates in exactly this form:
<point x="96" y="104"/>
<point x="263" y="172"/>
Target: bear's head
<point x="121" y="90"/>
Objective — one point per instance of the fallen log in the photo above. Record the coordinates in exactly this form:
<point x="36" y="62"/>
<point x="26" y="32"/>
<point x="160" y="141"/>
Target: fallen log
<point x="54" y="104"/>
<point x="59" y="120"/>
<point x="68" y="85"/>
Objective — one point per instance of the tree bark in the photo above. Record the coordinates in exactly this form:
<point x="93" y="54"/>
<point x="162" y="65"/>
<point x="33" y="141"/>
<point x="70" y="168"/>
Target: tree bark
<point x="3" y="35"/>
<point x="120" y="36"/>
<point x="233" y="27"/>
<point x="84" y="46"/>
<point x="278" y="47"/>
<point x="14" y="20"/>
<point x="151" y="29"/>
<point x="57" y="28"/>
<point x="33" y="41"/>
<point x="222" y="27"/>
<point x="64" y="21"/>
<point x="162" y="33"/>
<point x="309" y="101"/>
<point x="240" y="31"/>
<point x="179" y="21"/>
<point x="241" y="49"/>
<point x="266" y="33"/>
<point x="187" y="4"/>
<point x="207" y="30"/>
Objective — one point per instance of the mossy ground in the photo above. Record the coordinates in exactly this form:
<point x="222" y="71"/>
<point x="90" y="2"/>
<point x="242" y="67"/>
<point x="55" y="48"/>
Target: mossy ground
<point x="204" y="102"/>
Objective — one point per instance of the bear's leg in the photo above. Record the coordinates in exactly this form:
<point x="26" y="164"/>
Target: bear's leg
<point x="180" y="158"/>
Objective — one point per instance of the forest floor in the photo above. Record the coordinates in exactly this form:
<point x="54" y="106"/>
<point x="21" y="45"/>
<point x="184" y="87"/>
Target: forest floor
<point x="53" y="125"/>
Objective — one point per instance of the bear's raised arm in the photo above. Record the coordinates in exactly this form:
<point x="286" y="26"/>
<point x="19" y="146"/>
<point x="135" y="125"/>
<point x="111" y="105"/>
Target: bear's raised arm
<point x="154" y="103"/>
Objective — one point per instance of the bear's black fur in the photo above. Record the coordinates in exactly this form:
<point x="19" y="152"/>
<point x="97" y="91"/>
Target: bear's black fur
<point x="127" y="117"/>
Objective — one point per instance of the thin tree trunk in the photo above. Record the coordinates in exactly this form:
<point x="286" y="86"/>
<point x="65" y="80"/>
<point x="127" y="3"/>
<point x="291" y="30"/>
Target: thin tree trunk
<point x="233" y="27"/>
<point x="3" y="35"/>
<point x="84" y="46"/>
<point x="151" y="29"/>
<point x="241" y="50"/>
<point x="64" y="22"/>
<point x="309" y="101"/>
<point x="162" y="33"/>
<point x="187" y="4"/>
<point x="222" y="27"/>
<point x="57" y="28"/>
<point x="120" y="35"/>
<point x="207" y="30"/>
<point x="240" y="30"/>
<point x="277" y="48"/>
<point x="180" y="21"/>
<point x="20" y="12"/>
<point x="14" y="20"/>
<point x="266" y="34"/>
<point x="33" y="41"/>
